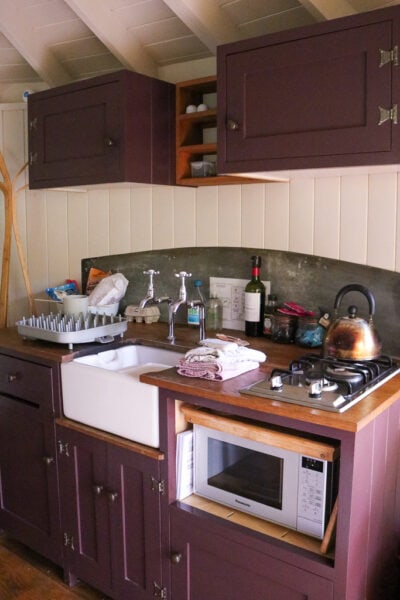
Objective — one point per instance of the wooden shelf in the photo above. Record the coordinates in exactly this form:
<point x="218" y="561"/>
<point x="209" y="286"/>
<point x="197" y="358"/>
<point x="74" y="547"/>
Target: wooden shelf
<point x="191" y="128"/>
<point x="274" y="530"/>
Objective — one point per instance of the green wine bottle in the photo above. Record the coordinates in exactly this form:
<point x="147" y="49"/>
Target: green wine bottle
<point x="254" y="300"/>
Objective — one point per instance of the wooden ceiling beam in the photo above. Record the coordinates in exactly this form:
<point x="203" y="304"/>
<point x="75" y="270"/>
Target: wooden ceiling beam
<point x="206" y="20"/>
<point x="328" y="9"/>
<point x="110" y="29"/>
<point x="29" y="45"/>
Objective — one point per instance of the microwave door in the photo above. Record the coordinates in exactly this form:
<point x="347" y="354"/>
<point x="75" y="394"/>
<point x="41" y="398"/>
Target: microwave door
<point x="246" y="475"/>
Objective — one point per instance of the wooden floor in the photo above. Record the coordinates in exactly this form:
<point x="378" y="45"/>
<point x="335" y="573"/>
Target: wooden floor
<point x="24" y="575"/>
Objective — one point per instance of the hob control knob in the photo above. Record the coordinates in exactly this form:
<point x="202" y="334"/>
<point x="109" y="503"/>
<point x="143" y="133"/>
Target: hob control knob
<point x="315" y="389"/>
<point x="276" y="383"/>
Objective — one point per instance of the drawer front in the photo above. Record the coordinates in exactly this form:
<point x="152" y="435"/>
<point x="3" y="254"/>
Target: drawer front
<point x="27" y="381"/>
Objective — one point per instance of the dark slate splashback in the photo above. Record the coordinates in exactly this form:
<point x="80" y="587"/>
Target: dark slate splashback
<point x="308" y="280"/>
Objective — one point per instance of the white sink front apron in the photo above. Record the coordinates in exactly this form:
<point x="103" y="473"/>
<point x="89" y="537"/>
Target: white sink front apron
<point x="103" y="390"/>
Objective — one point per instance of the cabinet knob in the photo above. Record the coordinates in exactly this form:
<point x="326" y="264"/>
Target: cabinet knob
<point x="12" y="377"/>
<point x="232" y="125"/>
<point x="110" y="142"/>
<point x="176" y="558"/>
<point x="98" y="489"/>
<point x="113" y="496"/>
<point x="48" y="460"/>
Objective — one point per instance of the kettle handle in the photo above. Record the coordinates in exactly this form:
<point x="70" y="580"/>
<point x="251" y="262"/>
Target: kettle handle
<point x="355" y="287"/>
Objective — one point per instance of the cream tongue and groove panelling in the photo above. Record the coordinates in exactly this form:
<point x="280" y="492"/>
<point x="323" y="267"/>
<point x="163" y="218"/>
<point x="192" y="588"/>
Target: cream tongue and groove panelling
<point x="231" y="293"/>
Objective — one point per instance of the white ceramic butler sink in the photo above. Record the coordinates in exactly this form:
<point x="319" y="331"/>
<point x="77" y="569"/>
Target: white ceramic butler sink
<point x="103" y="390"/>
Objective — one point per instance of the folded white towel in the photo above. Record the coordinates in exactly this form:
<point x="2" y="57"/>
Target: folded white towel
<point x="232" y="354"/>
<point x="213" y="370"/>
<point x="217" y="364"/>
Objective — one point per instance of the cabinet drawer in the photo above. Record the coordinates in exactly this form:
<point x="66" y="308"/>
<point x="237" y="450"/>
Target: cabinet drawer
<point x="26" y="380"/>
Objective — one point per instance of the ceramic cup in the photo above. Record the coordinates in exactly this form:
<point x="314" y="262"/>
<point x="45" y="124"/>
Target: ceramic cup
<point x="75" y="304"/>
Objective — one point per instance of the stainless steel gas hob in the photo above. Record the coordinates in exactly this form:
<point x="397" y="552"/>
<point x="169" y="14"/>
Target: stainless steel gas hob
<point x="325" y="383"/>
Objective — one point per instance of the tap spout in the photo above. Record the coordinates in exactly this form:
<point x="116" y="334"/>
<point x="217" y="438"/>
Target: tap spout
<point x="149" y="298"/>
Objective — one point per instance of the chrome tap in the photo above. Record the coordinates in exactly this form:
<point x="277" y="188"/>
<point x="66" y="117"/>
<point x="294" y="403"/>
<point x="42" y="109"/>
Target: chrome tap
<point x="149" y="299"/>
<point x="183" y="301"/>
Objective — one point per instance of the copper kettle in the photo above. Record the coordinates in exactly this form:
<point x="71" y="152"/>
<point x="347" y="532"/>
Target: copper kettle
<point x="351" y="337"/>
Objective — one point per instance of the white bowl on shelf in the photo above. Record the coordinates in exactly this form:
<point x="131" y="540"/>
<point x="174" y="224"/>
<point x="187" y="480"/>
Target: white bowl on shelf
<point x="105" y="309"/>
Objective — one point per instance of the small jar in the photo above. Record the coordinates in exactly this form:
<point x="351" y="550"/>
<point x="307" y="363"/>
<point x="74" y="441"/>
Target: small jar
<point x="309" y="333"/>
<point x="214" y="313"/>
<point x="269" y="312"/>
<point x="283" y="328"/>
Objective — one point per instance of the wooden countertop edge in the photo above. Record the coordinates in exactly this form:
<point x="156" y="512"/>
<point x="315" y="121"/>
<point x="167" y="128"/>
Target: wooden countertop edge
<point x="109" y="437"/>
<point x="352" y="420"/>
<point x="226" y="392"/>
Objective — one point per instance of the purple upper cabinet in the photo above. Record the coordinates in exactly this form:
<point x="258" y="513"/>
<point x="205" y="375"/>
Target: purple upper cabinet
<point x="114" y="128"/>
<point x="311" y="97"/>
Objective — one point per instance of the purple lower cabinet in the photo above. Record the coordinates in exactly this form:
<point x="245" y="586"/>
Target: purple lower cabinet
<point x="211" y="557"/>
<point x="110" y="514"/>
<point x="212" y="561"/>
<point x="29" y="508"/>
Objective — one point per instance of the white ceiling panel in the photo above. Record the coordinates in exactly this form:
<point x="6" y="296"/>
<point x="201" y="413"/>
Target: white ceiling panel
<point x="57" y="41"/>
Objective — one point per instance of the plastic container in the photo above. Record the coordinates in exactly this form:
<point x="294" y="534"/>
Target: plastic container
<point x="202" y="168"/>
<point x="270" y="308"/>
<point x="106" y="309"/>
<point x="309" y="333"/>
<point x="193" y="314"/>
<point x="214" y="310"/>
<point x="283" y="328"/>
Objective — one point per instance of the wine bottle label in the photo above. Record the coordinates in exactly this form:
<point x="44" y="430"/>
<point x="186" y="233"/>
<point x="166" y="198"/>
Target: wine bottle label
<point x="252" y="303"/>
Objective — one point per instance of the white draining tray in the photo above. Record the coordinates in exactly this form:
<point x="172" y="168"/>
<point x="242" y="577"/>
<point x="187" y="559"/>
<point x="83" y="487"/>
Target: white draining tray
<point x="104" y="332"/>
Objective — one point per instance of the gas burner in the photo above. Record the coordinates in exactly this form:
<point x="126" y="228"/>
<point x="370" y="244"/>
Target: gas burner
<point x="325" y="383"/>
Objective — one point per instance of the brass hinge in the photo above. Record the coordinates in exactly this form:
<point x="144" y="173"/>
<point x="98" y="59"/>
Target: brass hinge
<point x="387" y="114"/>
<point x="158" y="486"/>
<point x="388" y="56"/>
<point x="68" y="540"/>
<point x="158" y="591"/>
<point x="63" y="448"/>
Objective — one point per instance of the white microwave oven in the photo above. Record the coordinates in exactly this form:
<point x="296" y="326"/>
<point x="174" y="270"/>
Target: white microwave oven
<point x="285" y="478"/>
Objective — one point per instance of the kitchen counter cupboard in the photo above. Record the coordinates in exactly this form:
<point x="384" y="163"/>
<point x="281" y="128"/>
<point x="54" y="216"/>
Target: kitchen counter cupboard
<point x="110" y="512"/>
<point x="29" y="501"/>
<point x="240" y="559"/>
<point x="118" y="127"/>
<point x="120" y="526"/>
<point x="320" y="96"/>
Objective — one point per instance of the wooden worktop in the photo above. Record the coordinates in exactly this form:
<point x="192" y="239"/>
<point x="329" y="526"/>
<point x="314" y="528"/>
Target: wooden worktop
<point x="226" y="392"/>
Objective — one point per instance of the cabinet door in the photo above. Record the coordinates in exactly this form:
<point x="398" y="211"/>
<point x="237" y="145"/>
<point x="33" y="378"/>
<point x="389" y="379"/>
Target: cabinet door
<point x="76" y="136"/>
<point x="134" y="504"/>
<point x="308" y="99"/>
<point x="84" y="507"/>
<point x="29" y="508"/>
<point x="208" y="565"/>
<point x="112" y="128"/>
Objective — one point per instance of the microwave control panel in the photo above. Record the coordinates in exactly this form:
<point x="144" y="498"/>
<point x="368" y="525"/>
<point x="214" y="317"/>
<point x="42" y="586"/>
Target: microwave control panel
<point x="312" y="496"/>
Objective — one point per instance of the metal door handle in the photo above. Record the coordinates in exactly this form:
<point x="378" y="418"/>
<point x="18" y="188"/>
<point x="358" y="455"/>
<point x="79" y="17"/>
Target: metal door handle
<point x="176" y="558"/>
<point x="232" y="125"/>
